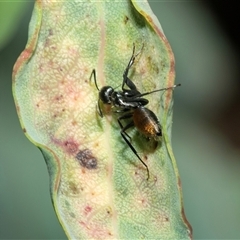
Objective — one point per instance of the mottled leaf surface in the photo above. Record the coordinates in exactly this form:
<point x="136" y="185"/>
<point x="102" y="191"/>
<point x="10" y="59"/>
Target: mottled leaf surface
<point x="98" y="186"/>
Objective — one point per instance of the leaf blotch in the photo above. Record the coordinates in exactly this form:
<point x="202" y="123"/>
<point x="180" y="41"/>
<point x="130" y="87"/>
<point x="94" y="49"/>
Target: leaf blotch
<point x="126" y="18"/>
<point x="70" y="146"/>
<point x="72" y="215"/>
<point x="179" y="182"/>
<point x="109" y="211"/>
<point x="58" y="98"/>
<point x="73" y="188"/>
<point x="86" y="159"/>
<point x="87" y="210"/>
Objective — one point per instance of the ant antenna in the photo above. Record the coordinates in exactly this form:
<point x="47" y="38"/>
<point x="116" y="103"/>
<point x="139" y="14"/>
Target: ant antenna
<point x="94" y="76"/>
<point x="158" y="90"/>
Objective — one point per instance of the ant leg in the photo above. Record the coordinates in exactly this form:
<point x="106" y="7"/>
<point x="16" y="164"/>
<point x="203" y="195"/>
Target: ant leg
<point x="126" y="80"/>
<point x="120" y="111"/>
<point x="93" y="73"/>
<point x="132" y="148"/>
<point x="125" y="116"/>
<point x="99" y="109"/>
<point x="130" y="84"/>
<point x="124" y="134"/>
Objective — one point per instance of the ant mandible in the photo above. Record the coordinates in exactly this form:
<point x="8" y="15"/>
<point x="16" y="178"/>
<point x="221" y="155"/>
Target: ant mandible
<point x="131" y="104"/>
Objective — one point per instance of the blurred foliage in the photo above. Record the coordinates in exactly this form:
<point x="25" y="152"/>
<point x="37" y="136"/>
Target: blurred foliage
<point x="10" y="15"/>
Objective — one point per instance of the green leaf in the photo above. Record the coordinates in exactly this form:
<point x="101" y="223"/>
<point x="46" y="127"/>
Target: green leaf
<point x="98" y="186"/>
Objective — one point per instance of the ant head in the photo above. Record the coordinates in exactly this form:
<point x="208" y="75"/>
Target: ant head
<point x="105" y="94"/>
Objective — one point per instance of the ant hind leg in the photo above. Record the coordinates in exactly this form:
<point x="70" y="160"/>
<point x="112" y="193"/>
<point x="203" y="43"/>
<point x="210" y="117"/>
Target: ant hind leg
<point x="125" y="135"/>
<point x="131" y="124"/>
<point x="134" y="151"/>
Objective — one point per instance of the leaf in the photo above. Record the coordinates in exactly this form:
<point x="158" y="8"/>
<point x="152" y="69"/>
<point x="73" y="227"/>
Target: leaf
<point x="98" y="186"/>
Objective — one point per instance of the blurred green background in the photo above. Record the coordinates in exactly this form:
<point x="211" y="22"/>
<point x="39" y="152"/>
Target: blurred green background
<point x="205" y="130"/>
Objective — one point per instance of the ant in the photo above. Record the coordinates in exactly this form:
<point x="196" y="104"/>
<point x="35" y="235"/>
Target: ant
<point x="131" y="104"/>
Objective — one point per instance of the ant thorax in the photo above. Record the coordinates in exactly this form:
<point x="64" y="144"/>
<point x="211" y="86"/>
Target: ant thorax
<point x="119" y="100"/>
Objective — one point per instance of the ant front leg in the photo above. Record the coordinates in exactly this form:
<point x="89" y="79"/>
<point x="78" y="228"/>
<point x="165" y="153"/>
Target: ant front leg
<point x="99" y="108"/>
<point x="133" y="89"/>
<point x="93" y="73"/>
<point x="131" y="61"/>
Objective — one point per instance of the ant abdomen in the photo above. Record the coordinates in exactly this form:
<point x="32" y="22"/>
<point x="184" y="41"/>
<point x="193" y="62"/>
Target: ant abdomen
<point x="147" y="123"/>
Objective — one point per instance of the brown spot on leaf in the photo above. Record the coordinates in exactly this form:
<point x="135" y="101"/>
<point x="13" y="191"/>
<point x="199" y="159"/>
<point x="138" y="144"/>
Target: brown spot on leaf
<point x="155" y="179"/>
<point x="179" y="183"/>
<point x="70" y="146"/>
<point x="126" y="18"/>
<point x="72" y="214"/>
<point x="109" y="211"/>
<point x="73" y="188"/>
<point x="74" y="122"/>
<point x="17" y="108"/>
<point x="190" y="230"/>
<point x="50" y="32"/>
<point x="86" y="159"/>
<point x="87" y="209"/>
<point x="149" y="59"/>
<point x="58" y="97"/>
<point x="24" y="130"/>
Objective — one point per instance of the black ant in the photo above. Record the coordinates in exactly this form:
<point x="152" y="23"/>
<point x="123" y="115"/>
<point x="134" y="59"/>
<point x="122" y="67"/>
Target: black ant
<point x="131" y="104"/>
